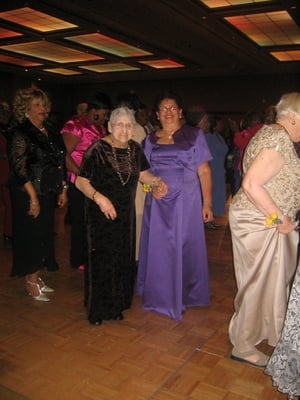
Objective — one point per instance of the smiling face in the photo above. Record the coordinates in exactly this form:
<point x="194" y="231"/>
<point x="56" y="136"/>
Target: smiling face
<point x="121" y="130"/>
<point x="36" y="111"/>
<point x="169" y="113"/>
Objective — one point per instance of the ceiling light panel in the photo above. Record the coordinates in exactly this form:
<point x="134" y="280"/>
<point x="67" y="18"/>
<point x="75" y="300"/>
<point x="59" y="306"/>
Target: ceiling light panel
<point x="36" y="20"/>
<point x="6" y="34"/>
<point x="293" y="55"/>
<point x="230" y="3"/>
<point x="269" y="29"/>
<point x="115" y="67"/>
<point x="50" y="51"/>
<point x="62" y="71"/>
<point x="18" y="61"/>
<point x="109" y="45"/>
<point x="161" y="64"/>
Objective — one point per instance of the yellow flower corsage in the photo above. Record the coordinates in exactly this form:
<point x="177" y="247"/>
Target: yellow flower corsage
<point x="147" y="188"/>
<point x="272" y="220"/>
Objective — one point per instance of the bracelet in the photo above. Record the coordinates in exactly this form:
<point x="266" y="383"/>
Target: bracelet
<point x="94" y="194"/>
<point x="35" y="203"/>
<point x="156" y="179"/>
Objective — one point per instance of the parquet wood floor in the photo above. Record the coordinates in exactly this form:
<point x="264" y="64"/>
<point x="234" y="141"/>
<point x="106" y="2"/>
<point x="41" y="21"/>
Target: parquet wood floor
<point x="49" y="350"/>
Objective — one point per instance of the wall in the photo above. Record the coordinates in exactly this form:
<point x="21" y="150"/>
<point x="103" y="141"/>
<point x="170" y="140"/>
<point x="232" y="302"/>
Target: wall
<point x="232" y="95"/>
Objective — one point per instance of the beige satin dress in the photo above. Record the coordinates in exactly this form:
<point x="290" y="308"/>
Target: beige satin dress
<point x="264" y="260"/>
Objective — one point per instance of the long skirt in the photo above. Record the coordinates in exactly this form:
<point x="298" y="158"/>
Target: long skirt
<point x="264" y="263"/>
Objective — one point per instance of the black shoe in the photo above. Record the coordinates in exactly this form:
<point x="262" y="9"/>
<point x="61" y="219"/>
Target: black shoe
<point x="118" y="317"/>
<point x="95" y="321"/>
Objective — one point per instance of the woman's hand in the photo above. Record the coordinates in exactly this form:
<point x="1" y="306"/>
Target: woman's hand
<point x="62" y="199"/>
<point x="105" y="206"/>
<point x="34" y="209"/>
<point x="160" y="190"/>
<point x="286" y="226"/>
<point x="207" y="213"/>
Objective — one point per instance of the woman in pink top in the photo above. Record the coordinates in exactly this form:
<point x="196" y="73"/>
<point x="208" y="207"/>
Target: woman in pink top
<point x="78" y="135"/>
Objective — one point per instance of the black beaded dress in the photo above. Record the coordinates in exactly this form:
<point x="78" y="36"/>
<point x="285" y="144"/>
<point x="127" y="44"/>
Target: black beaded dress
<point x="39" y="159"/>
<point x="110" y="271"/>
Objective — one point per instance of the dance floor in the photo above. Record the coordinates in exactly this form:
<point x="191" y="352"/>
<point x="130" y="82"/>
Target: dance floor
<point x="48" y="351"/>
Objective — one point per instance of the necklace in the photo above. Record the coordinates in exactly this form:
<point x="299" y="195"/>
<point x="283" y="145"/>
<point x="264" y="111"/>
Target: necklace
<point x="168" y="136"/>
<point x="116" y="167"/>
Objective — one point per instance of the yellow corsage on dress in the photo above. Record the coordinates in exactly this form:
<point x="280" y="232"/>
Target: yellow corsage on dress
<point x="273" y="220"/>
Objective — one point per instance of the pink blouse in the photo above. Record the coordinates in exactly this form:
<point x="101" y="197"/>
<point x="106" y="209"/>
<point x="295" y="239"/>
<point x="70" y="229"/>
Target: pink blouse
<point x="88" y="134"/>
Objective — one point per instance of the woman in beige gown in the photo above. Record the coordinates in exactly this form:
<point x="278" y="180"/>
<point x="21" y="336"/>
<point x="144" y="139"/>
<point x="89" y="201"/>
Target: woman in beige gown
<point x="262" y="222"/>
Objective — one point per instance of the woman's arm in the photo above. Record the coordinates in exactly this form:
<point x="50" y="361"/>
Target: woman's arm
<point x="71" y="142"/>
<point x="204" y="173"/>
<point x="159" y="187"/>
<point x="105" y="205"/>
<point x="265" y="166"/>
<point x="34" y="205"/>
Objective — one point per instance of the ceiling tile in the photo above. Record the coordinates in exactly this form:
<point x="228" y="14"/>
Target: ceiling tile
<point x="115" y="67"/>
<point x="109" y="45"/>
<point x="50" y="51"/>
<point x="36" y="20"/>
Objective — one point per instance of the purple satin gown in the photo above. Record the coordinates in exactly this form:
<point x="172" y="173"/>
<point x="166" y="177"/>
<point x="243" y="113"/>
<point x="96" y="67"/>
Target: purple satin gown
<point x="173" y="270"/>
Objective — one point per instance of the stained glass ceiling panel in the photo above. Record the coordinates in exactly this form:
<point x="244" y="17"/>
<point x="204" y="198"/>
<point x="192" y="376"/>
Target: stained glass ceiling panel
<point x="62" y="71"/>
<point x="269" y="29"/>
<point x="18" y="61"/>
<point x="115" y="67"/>
<point x="5" y="34"/>
<point x="293" y="55"/>
<point x="109" y="45"/>
<point x="50" y="51"/>
<point x="35" y="20"/>
<point x="160" y="64"/>
<point x="230" y="3"/>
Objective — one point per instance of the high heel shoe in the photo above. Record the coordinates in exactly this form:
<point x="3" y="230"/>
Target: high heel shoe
<point x="44" y="288"/>
<point x="41" y="296"/>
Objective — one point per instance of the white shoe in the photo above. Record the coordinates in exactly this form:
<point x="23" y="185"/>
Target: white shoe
<point x="44" y="288"/>
<point x="41" y="296"/>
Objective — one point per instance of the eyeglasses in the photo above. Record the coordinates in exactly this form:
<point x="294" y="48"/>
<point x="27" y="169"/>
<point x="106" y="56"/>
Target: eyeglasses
<point x="168" y="108"/>
<point x="121" y="125"/>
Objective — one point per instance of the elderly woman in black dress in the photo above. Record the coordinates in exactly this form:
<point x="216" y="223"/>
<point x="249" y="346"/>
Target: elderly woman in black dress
<point x="38" y="185"/>
<point x="108" y="177"/>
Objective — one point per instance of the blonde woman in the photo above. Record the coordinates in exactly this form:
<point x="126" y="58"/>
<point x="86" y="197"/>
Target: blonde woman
<point x="38" y="185"/>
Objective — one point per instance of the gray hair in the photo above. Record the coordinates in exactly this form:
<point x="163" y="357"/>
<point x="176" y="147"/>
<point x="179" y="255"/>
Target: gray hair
<point x="122" y="112"/>
<point x="288" y="102"/>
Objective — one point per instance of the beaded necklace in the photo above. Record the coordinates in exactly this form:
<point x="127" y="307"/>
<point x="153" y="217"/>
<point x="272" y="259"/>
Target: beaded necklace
<point x="116" y="165"/>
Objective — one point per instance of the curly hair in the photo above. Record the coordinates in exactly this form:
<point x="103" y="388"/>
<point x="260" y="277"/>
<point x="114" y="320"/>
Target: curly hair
<point x="23" y="99"/>
<point x="288" y="102"/>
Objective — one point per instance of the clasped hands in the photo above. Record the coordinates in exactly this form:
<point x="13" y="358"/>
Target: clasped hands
<point x="159" y="190"/>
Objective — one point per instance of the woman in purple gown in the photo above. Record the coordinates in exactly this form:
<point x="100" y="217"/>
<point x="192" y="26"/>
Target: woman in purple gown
<point x="173" y="271"/>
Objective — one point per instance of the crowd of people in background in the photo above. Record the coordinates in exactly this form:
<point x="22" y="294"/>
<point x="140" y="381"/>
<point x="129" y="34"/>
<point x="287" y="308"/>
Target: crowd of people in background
<point x="132" y="180"/>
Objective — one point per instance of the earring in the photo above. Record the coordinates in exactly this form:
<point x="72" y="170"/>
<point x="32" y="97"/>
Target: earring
<point x="26" y="115"/>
